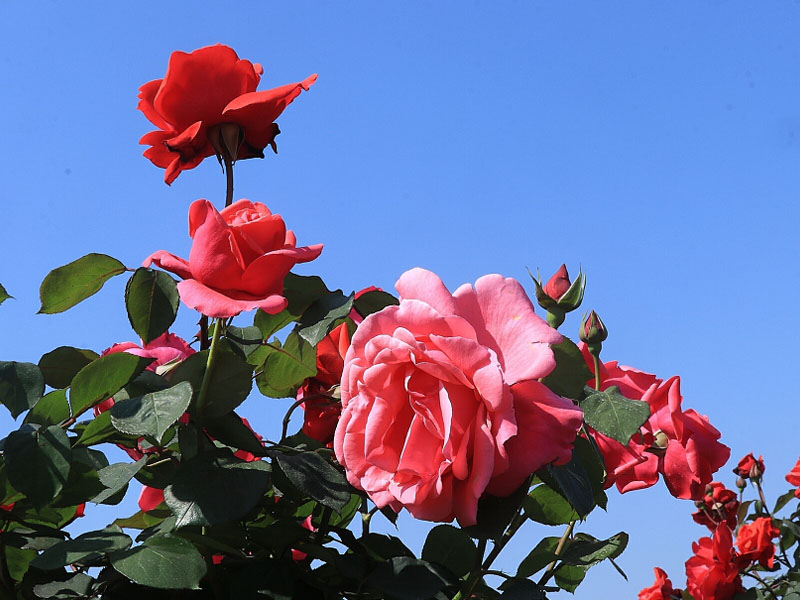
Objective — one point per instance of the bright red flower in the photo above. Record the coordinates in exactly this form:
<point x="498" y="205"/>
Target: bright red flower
<point x="680" y="445"/>
<point x="662" y="588"/>
<point x="202" y="91"/>
<point x="238" y="261"/>
<point x="150" y="497"/>
<point x="719" y="505"/>
<point x="713" y="572"/>
<point x="793" y="477"/>
<point x="558" y="284"/>
<point x="755" y="541"/>
<point x="749" y="467"/>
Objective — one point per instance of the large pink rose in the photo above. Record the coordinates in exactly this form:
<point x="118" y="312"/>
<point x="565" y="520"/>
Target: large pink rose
<point x="238" y="260"/>
<point x="441" y="401"/>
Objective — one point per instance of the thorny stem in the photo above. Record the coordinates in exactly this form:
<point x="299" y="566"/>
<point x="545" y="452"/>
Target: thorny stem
<point x="203" y="332"/>
<point x="551" y="568"/>
<point x="201" y="397"/>
<point x="366" y="517"/>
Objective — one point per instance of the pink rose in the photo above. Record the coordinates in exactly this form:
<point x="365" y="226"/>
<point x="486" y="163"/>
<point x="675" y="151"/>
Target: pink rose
<point x="441" y="401"/>
<point x="238" y="260"/>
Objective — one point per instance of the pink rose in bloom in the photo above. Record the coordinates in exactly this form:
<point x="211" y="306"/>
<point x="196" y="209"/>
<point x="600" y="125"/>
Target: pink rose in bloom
<point x="755" y="541"/>
<point x="680" y="445"/>
<point x="719" y="505"/>
<point x="441" y="402"/>
<point x="749" y="467"/>
<point x="203" y="90"/>
<point x="238" y="260"/>
<point x="713" y="572"/>
<point x="660" y="590"/>
<point x="793" y="477"/>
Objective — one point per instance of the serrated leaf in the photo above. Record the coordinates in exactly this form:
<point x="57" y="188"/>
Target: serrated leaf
<point x="545" y="505"/>
<point x="21" y="386"/>
<point x="286" y="366"/>
<point x="580" y="480"/>
<point x="59" y="366"/>
<point x="495" y="514"/>
<point x="269" y="325"/>
<point x="450" y="547"/>
<point x="77" y="586"/>
<point x="116" y="477"/>
<point x="231" y="430"/>
<point x="38" y="462"/>
<point x="4" y="295"/>
<point x="103" y="378"/>
<point x="587" y="551"/>
<point x="571" y="373"/>
<point x="85" y="548"/>
<point x="244" y="340"/>
<point x="537" y="559"/>
<point x="316" y="477"/>
<point x="97" y="430"/>
<point x="231" y="380"/>
<point x="570" y="577"/>
<point x="301" y="291"/>
<point x="162" y="561"/>
<point x="614" y="415"/>
<point x="66" y="286"/>
<point x="51" y="409"/>
<point x="318" y="320"/>
<point x="151" y="299"/>
<point x="153" y="413"/>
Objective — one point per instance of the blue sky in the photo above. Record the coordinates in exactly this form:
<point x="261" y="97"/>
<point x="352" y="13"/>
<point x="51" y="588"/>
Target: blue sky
<point x="655" y="145"/>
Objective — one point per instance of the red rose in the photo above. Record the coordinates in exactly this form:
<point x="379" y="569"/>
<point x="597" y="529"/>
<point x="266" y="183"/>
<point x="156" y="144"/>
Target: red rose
<point x="150" y="498"/>
<point x="661" y="590"/>
<point x="202" y="91"/>
<point x="680" y="445"/>
<point x="749" y="467"/>
<point x="755" y="541"/>
<point x="238" y="260"/>
<point x="713" y="572"/>
<point x="719" y="505"/>
<point x="793" y="477"/>
<point x="441" y="401"/>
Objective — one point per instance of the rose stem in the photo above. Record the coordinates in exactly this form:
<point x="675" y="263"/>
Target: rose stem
<point x="201" y="397"/>
<point x="229" y="179"/>
<point x="475" y="574"/>
<point x="561" y="543"/>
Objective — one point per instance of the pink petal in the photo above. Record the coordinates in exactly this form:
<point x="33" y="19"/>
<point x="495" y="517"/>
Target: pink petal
<point x="169" y="262"/>
<point x="215" y="304"/>
<point x="421" y="284"/>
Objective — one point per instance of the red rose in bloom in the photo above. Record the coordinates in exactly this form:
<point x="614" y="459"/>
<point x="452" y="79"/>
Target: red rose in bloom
<point x="793" y="477"/>
<point x="755" y="541"/>
<point x="202" y="91"/>
<point x="719" y="505"/>
<point x="238" y="260"/>
<point x="661" y="590"/>
<point x="680" y="445"/>
<point x="321" y="409"/>
<point x="749" y="467"/>
<point x="441" y="401"/>
<point x="713" y="572"/>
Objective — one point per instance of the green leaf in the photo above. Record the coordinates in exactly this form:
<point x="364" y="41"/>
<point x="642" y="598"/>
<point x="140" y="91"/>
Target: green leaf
<point x="231" y="380"/>
<point x="301" y="291"/>
<point x="21" y="386"/>
<point x="163" y="561"/>
<point x="85" y="548"/>
<point x="569" y="578"/>
<point x="51" y="409"/>
<point x="580" y="481"/>
<point x="116" y="477"/>
<point x="153" y="413"/>
<point x="406" y="578"/>
<point x="18" y="562"/>
<point x="77" y="586"/>
<point x="231" y="430"/>
<point x="59" y="366"/>
<point x="269" y="325"/>
<point x="103" y="378"/>
<point x="82" y="484"/>
<point x="316" y="477"/>
<point x="614" y="415"/>
<point x="4" y="295"/>
<point x="95" y="431"/>
<point x="495" y="514"/>
<point x="37" y="462"/>
<point x="213" y="489"/>
<point x="522" y="589"/>
<point x="542" y="555"/>
<point x="587" y="551"/>
<point x="151" y="299"/>
<point x="322" y="315"/>
<point x="373" y="301"/>
<point x="450" y="547"/>
<point x="244" y="340"/>
<point x="286" y="367"/>
<point x="782" y="501"/>
<point x="66" y="286"/>
<point x="545" y="505"/>
<point x="571" y="373"/>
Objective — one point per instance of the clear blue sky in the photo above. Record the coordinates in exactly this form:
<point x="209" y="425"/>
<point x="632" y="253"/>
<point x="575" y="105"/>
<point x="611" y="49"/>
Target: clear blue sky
<point x="656" y="145"/>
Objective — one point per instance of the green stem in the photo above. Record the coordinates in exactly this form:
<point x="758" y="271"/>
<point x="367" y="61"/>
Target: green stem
<point x="551" y="568"/>
<point x="475" y="574"/>
<point x="212" y="355"/>
<point x="596" y="372"/>
<point x="761" y="497"/>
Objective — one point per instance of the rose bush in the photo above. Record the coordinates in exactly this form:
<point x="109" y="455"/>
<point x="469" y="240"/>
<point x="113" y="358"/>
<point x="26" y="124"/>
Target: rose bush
<point x="440" y="398"/>
<point x="202" y="90"/>
<point x="238" y="260"/>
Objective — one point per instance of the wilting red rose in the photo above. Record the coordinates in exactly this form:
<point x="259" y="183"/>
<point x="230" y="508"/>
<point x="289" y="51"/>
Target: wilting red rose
<point x="662" y="588"/>
<point x="441" y="401"/>
<point x="713" y="572"/>
<point x="238" y="260"/>
<point x="719" y="505"/>
<point x="749" y="467"/>
<point x="793" y="477"/>
<point x="680" y="445"/>
<point x="755" y="541"/>
<point x="202" y="91"/>
<point x="322" y="410"/>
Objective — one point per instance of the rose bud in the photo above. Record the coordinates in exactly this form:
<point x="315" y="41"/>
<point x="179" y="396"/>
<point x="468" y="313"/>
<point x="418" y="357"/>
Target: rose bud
<point x="750" y="468"/>
<point x="559" y="296"/>
<point x="593" y="332"/>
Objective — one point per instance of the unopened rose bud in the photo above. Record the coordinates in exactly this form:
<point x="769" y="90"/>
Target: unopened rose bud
<point x="559" y="296"/>
<point x="741" y="483"/>
<point x="593" y="331"/>
<point x="750" y="467"/>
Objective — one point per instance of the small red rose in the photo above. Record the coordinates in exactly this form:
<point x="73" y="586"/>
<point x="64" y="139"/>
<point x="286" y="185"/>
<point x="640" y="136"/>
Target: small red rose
<point x="755" y="541"/>
<point x="793" y="477"/>
<point x="749" y="467"/>
<point x="660" y="590"/>
<point x="713" y="572"/>
<point x="719" y="505"/>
